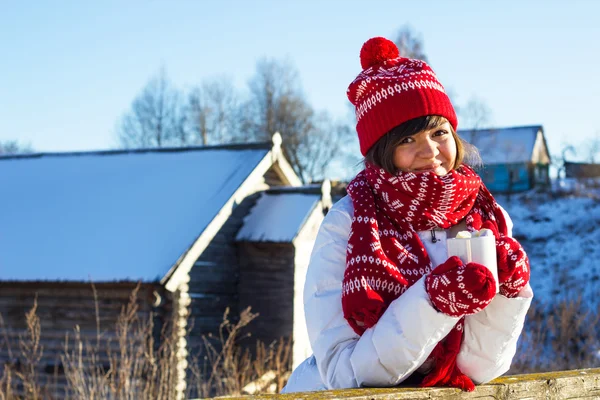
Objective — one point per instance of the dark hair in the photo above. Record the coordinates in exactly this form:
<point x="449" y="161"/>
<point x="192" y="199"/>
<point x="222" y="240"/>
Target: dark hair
<point x="381" y="153"/>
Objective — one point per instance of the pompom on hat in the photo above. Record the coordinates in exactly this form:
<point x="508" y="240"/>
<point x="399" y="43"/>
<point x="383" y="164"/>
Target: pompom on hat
<point x="393" y="89"/>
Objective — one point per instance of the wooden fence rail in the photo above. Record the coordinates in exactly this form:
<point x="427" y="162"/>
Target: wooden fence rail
<point x="575" y="384"/>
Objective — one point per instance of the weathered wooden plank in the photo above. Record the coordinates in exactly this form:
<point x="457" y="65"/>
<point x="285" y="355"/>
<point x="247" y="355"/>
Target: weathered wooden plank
<point x="54" y="310"/>
<point x="75" y="289"/>
<point x="560" y="385"/>
<point x="63" y="305"/>
<point x="207" y="309"/>
<point x="217" y="273"/>
<point x="221" y="275"/>
<point x="272" y="178"/>
<point x="64" y="324"/>
<point x="205" y="324"/>
<point x="49" y="303"/>
<point x="215" y="289"/>
<point x="267" y="285"/>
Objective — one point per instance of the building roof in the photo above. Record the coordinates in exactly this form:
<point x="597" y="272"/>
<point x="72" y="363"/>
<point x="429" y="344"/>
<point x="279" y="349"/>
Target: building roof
<point x="509" y="145"/>
<point x="279" y="214"/>
<point x="113" y="215"/>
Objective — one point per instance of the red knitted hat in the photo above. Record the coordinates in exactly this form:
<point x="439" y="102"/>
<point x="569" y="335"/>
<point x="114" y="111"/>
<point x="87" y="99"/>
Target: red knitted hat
<point x="392" y="90"/>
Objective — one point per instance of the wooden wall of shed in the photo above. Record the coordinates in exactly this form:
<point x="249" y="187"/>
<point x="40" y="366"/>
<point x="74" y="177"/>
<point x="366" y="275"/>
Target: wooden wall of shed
<point x="214" y="278"/>
<point x="61" y="306"/>
<point x="272" y="177"/>
<point x="581" y="170"/>
<point x="540" y="175"/>
<point x="267" y="285"/>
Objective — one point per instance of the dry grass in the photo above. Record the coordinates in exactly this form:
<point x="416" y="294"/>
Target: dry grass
<point x="224" y="367"/>
<point x="135" y="368"/>
<point x="22" y="380"/>
<point x="31" y="350"/>
<point x="563" y="335"/>
<point x="130" y="363"/>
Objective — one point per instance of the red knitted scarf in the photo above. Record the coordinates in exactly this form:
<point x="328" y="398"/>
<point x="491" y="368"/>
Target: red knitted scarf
<point x="385" y="255"/>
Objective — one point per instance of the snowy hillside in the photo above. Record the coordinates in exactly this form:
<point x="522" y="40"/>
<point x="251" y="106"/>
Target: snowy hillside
<point x="562" y="238"/>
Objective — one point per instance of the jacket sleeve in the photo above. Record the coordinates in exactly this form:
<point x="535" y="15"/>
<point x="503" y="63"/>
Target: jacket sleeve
<point x="491" y="336"/>
<point x="385" y="354"/>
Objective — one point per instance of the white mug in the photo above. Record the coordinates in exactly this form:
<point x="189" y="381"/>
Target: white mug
<point x="478" y="247"/>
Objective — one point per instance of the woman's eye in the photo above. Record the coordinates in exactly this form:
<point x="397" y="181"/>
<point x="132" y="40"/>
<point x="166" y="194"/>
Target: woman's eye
<point x="406" y="140"/>
<point x="441" y="132"/>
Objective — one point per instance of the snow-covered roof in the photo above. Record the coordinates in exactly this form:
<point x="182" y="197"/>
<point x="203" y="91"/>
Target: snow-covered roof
<point x="278" y="216"/>
<point x="110" y="216"/>
<point x="507" y="145"/>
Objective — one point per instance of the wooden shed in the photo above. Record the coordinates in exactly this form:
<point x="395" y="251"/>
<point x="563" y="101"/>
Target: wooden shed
<point x="580" y="170"/>
<point x="274" y="246"/>
<point x="515" y="159"/>
<point x="186" y="224"/>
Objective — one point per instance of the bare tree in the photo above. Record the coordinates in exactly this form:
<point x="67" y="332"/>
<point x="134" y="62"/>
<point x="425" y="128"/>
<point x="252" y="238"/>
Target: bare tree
<point x="294" y="119"/>
<point x="276" y="104"/>
<point x="311" y="140"/>
<point x="327" y="145"/>
<point x="274" y="93"/>
<point x="476" y="114"/>
<point x="155" y="118"/>
<point x="453" y="96"/>
<point x="211" y="112"/>
<point x="410" y="44"/>
<point x="591" y="148"/>
<point x="558" y="161"/>
<point x="197" y="115"/>
<point x="14" y="147"/>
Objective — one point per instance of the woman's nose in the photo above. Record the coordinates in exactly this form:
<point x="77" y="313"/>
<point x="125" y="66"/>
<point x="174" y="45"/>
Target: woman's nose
<point x="428" y="149"/>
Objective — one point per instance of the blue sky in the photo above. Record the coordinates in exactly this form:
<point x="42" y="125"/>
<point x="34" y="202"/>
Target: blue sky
<point x="70" y="69"/>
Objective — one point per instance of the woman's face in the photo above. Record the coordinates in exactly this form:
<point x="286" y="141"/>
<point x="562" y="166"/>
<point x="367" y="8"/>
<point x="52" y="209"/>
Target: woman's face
<point x="431" y="150"/>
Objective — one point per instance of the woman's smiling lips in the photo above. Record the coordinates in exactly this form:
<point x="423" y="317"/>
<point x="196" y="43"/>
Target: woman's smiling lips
<point x="431" y="167"/>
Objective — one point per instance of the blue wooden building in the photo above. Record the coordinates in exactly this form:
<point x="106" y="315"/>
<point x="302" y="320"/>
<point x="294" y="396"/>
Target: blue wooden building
<point x="514" y="159"/>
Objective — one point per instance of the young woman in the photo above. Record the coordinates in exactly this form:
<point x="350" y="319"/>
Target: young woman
<point x="384" y="303"/>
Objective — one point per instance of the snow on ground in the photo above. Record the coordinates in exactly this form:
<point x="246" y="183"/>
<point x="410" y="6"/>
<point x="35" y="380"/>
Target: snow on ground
<point x="561" y="235"/>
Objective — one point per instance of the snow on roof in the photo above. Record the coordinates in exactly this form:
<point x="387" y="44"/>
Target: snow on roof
<point x="503" y="145"/>
<point x="277" y="217"/>
<point x="110" y="216"/>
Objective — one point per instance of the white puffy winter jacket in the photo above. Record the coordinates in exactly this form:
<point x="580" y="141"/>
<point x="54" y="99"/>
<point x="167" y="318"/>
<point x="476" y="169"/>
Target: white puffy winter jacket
<point x="406" y="333"/>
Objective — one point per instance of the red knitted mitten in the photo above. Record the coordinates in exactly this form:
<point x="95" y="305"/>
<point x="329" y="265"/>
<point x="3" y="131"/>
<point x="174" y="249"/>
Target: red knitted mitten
<point x="513" y="263"/>
<point x="456" y="289"/>
<point x="513" y="266"/>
